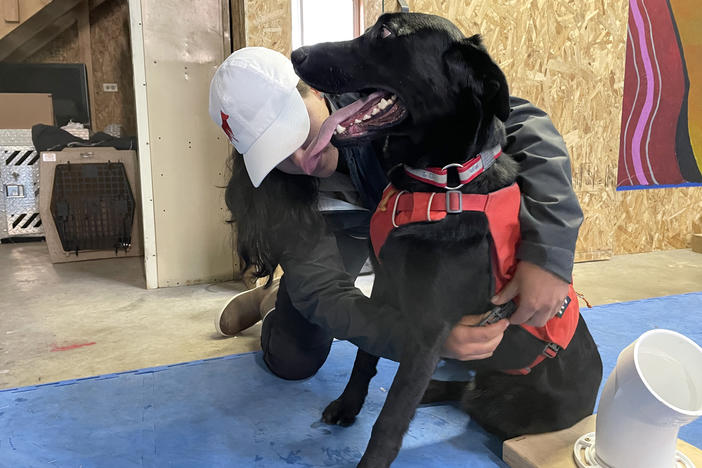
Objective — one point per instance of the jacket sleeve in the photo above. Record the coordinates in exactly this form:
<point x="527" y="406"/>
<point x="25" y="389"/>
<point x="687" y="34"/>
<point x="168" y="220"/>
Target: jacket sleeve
<point x="322" y="291"/>
<point x="550" y="214"/>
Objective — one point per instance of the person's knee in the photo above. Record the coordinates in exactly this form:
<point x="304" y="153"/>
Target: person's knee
<point x="295" y="365"/>
<point x="293" y="349"/>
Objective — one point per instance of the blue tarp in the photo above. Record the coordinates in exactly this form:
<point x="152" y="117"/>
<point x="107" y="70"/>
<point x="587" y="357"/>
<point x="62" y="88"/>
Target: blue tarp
<point x="231" y="412"/>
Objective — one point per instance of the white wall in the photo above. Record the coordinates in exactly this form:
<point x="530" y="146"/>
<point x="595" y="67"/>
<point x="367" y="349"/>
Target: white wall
<point x="177" y="45"/>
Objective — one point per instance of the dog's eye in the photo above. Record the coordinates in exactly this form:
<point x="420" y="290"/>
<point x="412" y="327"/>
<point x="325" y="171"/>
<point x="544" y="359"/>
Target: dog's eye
<point x="385" y="32"/>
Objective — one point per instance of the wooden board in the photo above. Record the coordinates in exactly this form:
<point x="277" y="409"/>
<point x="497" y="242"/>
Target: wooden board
<point x="11" y="12"/>
<point x="697" y="243"/>
<point x="47" y="170"/>
<point x="86" y="57"/>
<point x="555" y="449"/>
<point x="269" y="24"/>
<point x="112" y="63"/>
<point x="237" y="10"/>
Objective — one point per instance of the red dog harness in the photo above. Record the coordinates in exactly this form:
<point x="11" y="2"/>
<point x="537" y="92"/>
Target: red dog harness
<point x="501" y="208"/>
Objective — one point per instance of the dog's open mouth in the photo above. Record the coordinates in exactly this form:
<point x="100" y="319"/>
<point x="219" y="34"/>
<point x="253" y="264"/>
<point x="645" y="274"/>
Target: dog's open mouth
<point x="377" y="111"/>
<point x="359" y="120"/>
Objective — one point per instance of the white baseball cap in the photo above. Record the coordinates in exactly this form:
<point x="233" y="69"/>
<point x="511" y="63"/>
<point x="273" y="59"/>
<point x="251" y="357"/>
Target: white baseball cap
<point x="253" y="97"/>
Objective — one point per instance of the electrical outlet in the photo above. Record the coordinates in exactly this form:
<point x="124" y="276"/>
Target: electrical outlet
<point x="109" y="87"/>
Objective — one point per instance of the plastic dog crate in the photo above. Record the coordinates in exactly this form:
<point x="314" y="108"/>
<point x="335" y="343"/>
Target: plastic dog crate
<point x="90" y="204"/>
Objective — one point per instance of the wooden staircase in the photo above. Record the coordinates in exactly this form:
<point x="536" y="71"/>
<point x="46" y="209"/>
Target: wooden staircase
<point x="28" y="25"/>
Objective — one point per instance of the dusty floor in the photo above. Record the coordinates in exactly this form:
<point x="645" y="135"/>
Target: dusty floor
<point x="80" y="319"/>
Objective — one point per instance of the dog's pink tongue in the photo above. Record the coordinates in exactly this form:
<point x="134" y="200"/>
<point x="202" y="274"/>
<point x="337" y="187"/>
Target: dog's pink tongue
<point x="312" y="155"/>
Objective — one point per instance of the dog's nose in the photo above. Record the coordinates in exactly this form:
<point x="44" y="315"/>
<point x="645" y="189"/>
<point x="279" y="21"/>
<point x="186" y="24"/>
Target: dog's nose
<point x="299" y="55"/>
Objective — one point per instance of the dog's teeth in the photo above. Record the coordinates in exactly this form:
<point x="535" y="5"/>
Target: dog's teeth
<point x="375" y="110"/>
<point x="357" y="121"/>
<point x="366" y="117"/>
<point x="340" y="129"/>
<point x="392" y="98"/>
<point x="383" y="103"/>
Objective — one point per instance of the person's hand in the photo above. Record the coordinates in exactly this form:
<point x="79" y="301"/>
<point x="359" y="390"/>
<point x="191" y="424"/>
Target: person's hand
<point x="541" y="294"/>
<point x="466" y="342"/>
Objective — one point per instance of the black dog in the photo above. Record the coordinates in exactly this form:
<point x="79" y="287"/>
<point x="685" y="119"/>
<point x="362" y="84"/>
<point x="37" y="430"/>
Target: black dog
<point x="436" y="98"/>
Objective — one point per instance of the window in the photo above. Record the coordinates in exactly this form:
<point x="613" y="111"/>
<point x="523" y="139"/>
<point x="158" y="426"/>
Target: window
<point x="316" y="21"/>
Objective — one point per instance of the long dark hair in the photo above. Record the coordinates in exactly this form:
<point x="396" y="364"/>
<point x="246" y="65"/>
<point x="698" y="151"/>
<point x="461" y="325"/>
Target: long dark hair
<point x="280" y="213"/>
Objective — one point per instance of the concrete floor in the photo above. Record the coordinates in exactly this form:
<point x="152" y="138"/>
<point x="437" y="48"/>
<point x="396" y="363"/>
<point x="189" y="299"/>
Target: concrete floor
<point x="80" y="319"/>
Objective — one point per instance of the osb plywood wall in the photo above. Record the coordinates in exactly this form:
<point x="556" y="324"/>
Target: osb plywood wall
<point x="112" y="62"/>
<point x="268" y="24"/>
<point x="567" y="58"/>
<point x="371" y="10"/>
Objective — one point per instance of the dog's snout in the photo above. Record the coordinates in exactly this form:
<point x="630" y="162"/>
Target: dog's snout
<point x="299" y="55"/>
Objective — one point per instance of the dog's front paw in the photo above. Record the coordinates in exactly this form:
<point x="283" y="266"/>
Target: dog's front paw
<point x="339" y="412"/>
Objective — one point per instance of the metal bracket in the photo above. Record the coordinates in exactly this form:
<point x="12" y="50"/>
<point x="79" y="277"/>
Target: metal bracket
<point x="404" y="7"/>
<point x="457" y="196"/>
<point x="551" y="350"/>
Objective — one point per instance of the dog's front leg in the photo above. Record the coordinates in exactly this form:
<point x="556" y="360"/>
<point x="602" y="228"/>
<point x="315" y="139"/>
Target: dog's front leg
<point x="344" y="409"/>
<point x="416" y="368"/>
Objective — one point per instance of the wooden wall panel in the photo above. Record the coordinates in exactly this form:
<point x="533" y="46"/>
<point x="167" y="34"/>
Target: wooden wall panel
<point x="237" y="11"/>
<point x="112" y="63"/>
<point x="568" y="59"/>
<point x="371" y="10"/>
<point x="596" y="242"/>
<point x="658" y="219"/>
<point x="268" y="24"/>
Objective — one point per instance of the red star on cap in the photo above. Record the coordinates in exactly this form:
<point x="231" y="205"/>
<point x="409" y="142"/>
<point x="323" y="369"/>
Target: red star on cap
<point x="225" y="126"/>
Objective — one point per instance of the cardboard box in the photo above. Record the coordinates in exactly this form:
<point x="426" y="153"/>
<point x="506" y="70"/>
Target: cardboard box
<point x="23" y="110"/>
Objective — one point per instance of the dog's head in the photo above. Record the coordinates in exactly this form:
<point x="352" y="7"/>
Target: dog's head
<point x="416" y="73"/>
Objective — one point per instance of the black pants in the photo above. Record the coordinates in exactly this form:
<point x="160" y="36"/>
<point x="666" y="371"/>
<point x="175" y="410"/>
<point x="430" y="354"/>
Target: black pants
<point x="293" y="348"/>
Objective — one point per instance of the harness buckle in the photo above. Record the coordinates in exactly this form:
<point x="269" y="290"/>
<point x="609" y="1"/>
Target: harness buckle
<point x="453" y="198"/>
<point x="551" y="350"/>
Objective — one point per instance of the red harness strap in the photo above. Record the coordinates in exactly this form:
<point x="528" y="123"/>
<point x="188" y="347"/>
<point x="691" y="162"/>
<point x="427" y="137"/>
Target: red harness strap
<point x="502" y="211"/>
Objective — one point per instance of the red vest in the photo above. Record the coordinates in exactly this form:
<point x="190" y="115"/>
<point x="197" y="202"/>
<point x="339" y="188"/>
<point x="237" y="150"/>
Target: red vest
<point x="502" y="211"/>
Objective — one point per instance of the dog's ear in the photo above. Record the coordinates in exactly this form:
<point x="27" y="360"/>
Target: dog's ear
<point x="497" y="93"/>
<point x="466" y="62"/>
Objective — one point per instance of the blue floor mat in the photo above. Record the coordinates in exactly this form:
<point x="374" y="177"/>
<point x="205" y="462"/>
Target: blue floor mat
<point x="227" y="412"/>
<point x="231" y="412"/>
